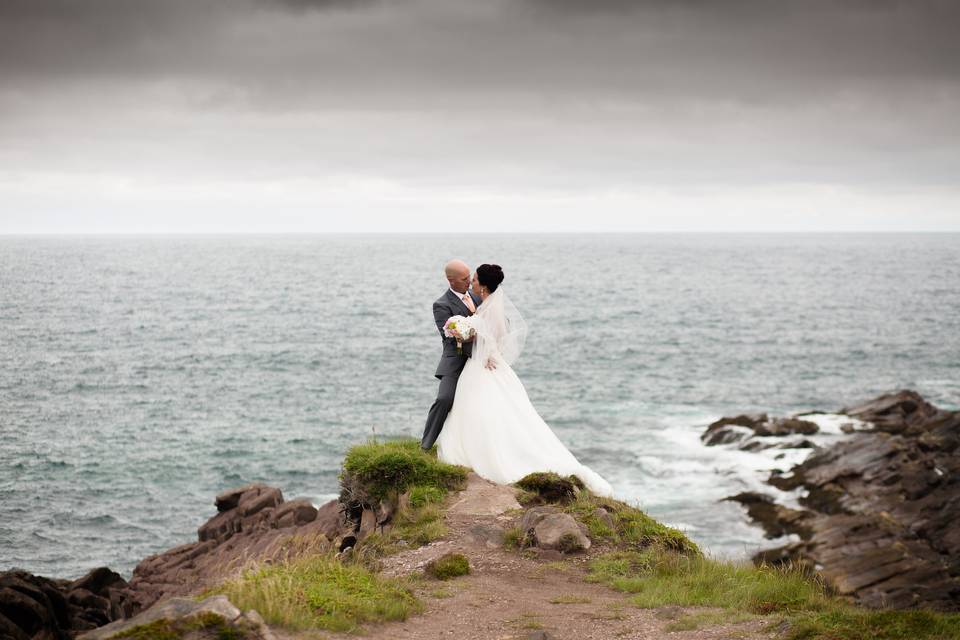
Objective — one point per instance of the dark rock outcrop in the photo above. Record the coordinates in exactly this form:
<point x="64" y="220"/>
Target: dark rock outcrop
<point x="881" y="507"/>
<point x="253" y="523"/>
<point x="895" y="412"/>
<point x="745" y="427"/>
<point x="36" y="607"/>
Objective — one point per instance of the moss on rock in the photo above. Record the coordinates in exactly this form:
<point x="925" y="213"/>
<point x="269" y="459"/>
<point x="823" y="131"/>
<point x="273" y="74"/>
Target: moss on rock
<point x="550" y="487"/>
<point x="206" y="625"/>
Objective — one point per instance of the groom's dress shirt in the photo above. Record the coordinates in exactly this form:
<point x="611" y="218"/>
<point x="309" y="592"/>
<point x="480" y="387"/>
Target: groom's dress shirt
<point x="466" y="299"/>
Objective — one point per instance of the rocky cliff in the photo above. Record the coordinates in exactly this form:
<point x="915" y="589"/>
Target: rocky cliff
<point x="879" y="514"/>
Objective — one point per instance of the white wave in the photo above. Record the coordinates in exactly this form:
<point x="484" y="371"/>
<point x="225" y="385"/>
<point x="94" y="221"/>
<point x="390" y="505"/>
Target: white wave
<point x="832" y="423"/>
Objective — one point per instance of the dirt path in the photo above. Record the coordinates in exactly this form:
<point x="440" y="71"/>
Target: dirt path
<point x="510" y="596"/>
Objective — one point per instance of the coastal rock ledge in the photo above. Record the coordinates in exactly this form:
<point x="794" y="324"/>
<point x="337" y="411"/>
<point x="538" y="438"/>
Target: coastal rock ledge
<point x="880" y="506"/>
<point x="253" y="524"/>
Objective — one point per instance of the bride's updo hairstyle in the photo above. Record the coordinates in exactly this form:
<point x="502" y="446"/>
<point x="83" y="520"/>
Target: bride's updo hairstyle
<point x="490" y="276"/>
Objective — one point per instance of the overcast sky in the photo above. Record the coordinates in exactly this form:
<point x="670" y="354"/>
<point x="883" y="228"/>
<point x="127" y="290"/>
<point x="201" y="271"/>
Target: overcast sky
<point x="492" y="115"/>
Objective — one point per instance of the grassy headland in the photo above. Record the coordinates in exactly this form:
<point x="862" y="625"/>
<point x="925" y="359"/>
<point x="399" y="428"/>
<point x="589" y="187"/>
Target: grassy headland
<point x="633" y="553"/>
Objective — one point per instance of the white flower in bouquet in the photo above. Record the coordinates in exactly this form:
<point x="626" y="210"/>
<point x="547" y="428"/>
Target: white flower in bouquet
<point x="459" y="328"/>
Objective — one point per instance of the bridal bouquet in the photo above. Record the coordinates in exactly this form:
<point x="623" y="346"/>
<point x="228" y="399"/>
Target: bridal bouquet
<point x="460" y="328"/>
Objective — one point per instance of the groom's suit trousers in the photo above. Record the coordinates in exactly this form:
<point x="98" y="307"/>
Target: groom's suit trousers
<point x="440" y="407"/>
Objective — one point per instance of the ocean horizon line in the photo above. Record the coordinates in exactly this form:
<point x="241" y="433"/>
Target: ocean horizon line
<point x="592" y="233"/>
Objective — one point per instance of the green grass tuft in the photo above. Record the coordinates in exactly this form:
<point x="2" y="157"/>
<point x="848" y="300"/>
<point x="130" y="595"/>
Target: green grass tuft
<point x="700" y="619"/>
<point x="448" y="566"/>
<point x="844" y="622"/>
<point x="527" y="620"/>
<point x="515" y="538"/>
<point x="388" y="468"/>
<point x="550" y="487"/>
<point x="659" y="577"/>
<point x="411" y="528"/>
<point x="423" y="495"/>
<point x="528" y="498"/>
<point x="632" y="528"/>
<point x="320" y="592"/>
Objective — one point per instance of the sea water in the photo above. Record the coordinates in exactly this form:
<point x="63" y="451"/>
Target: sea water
<point x="140" y="376"/>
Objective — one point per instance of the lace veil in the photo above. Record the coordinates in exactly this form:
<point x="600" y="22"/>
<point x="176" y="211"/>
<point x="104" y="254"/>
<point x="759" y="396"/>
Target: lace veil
<point x="501" y="330"/>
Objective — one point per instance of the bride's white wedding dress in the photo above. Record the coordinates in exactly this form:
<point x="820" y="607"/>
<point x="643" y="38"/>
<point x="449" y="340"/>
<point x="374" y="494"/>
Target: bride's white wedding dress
<point x="493" y="428"/>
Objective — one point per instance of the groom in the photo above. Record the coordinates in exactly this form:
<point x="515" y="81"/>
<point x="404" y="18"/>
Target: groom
<point x="458" y="300"/>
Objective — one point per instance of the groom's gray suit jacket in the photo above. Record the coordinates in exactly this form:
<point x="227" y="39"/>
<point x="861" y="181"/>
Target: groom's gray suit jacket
<point x="447" y="306"/>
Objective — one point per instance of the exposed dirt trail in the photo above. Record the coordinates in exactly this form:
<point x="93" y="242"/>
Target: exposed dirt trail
<point x="510" y="596"/>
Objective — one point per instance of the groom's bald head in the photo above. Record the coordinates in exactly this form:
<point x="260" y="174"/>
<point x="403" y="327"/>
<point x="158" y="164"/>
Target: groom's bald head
<point x="458" y="275"/>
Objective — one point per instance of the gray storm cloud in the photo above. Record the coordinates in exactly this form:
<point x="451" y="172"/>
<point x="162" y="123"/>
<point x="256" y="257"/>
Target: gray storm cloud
<point x="494" y="99"/>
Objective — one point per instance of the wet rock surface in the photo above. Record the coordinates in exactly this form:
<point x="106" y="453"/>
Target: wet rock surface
<point x="880" y="507"/>
<point x="747" y="428"/>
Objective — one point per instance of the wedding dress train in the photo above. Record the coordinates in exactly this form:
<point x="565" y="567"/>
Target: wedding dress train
<point x="493" y="427"/>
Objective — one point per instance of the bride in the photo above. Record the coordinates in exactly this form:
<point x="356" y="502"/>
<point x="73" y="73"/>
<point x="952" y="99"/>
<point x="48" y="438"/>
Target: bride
<point x="492" y="426"/>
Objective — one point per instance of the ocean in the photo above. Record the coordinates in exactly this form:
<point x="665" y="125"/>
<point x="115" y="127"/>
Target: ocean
<point x="142" y="375"/>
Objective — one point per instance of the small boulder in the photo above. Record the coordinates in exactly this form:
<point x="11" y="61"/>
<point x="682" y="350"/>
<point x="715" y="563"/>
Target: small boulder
<point x="605" y="517"/>
<point x="560" y="531"/>
<point x="229" y="499"/>
<point x="787" y="426"/>
<point x="98" y="580"/>
<point x="744" y="420"/>
<point x="732" y="429"/>
<point x="726" y="435"/>
<point x="533" y="516"/>
<point x="254" y="501"/>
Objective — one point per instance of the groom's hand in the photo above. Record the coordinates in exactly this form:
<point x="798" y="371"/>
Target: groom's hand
<point x="491" y="364"/>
